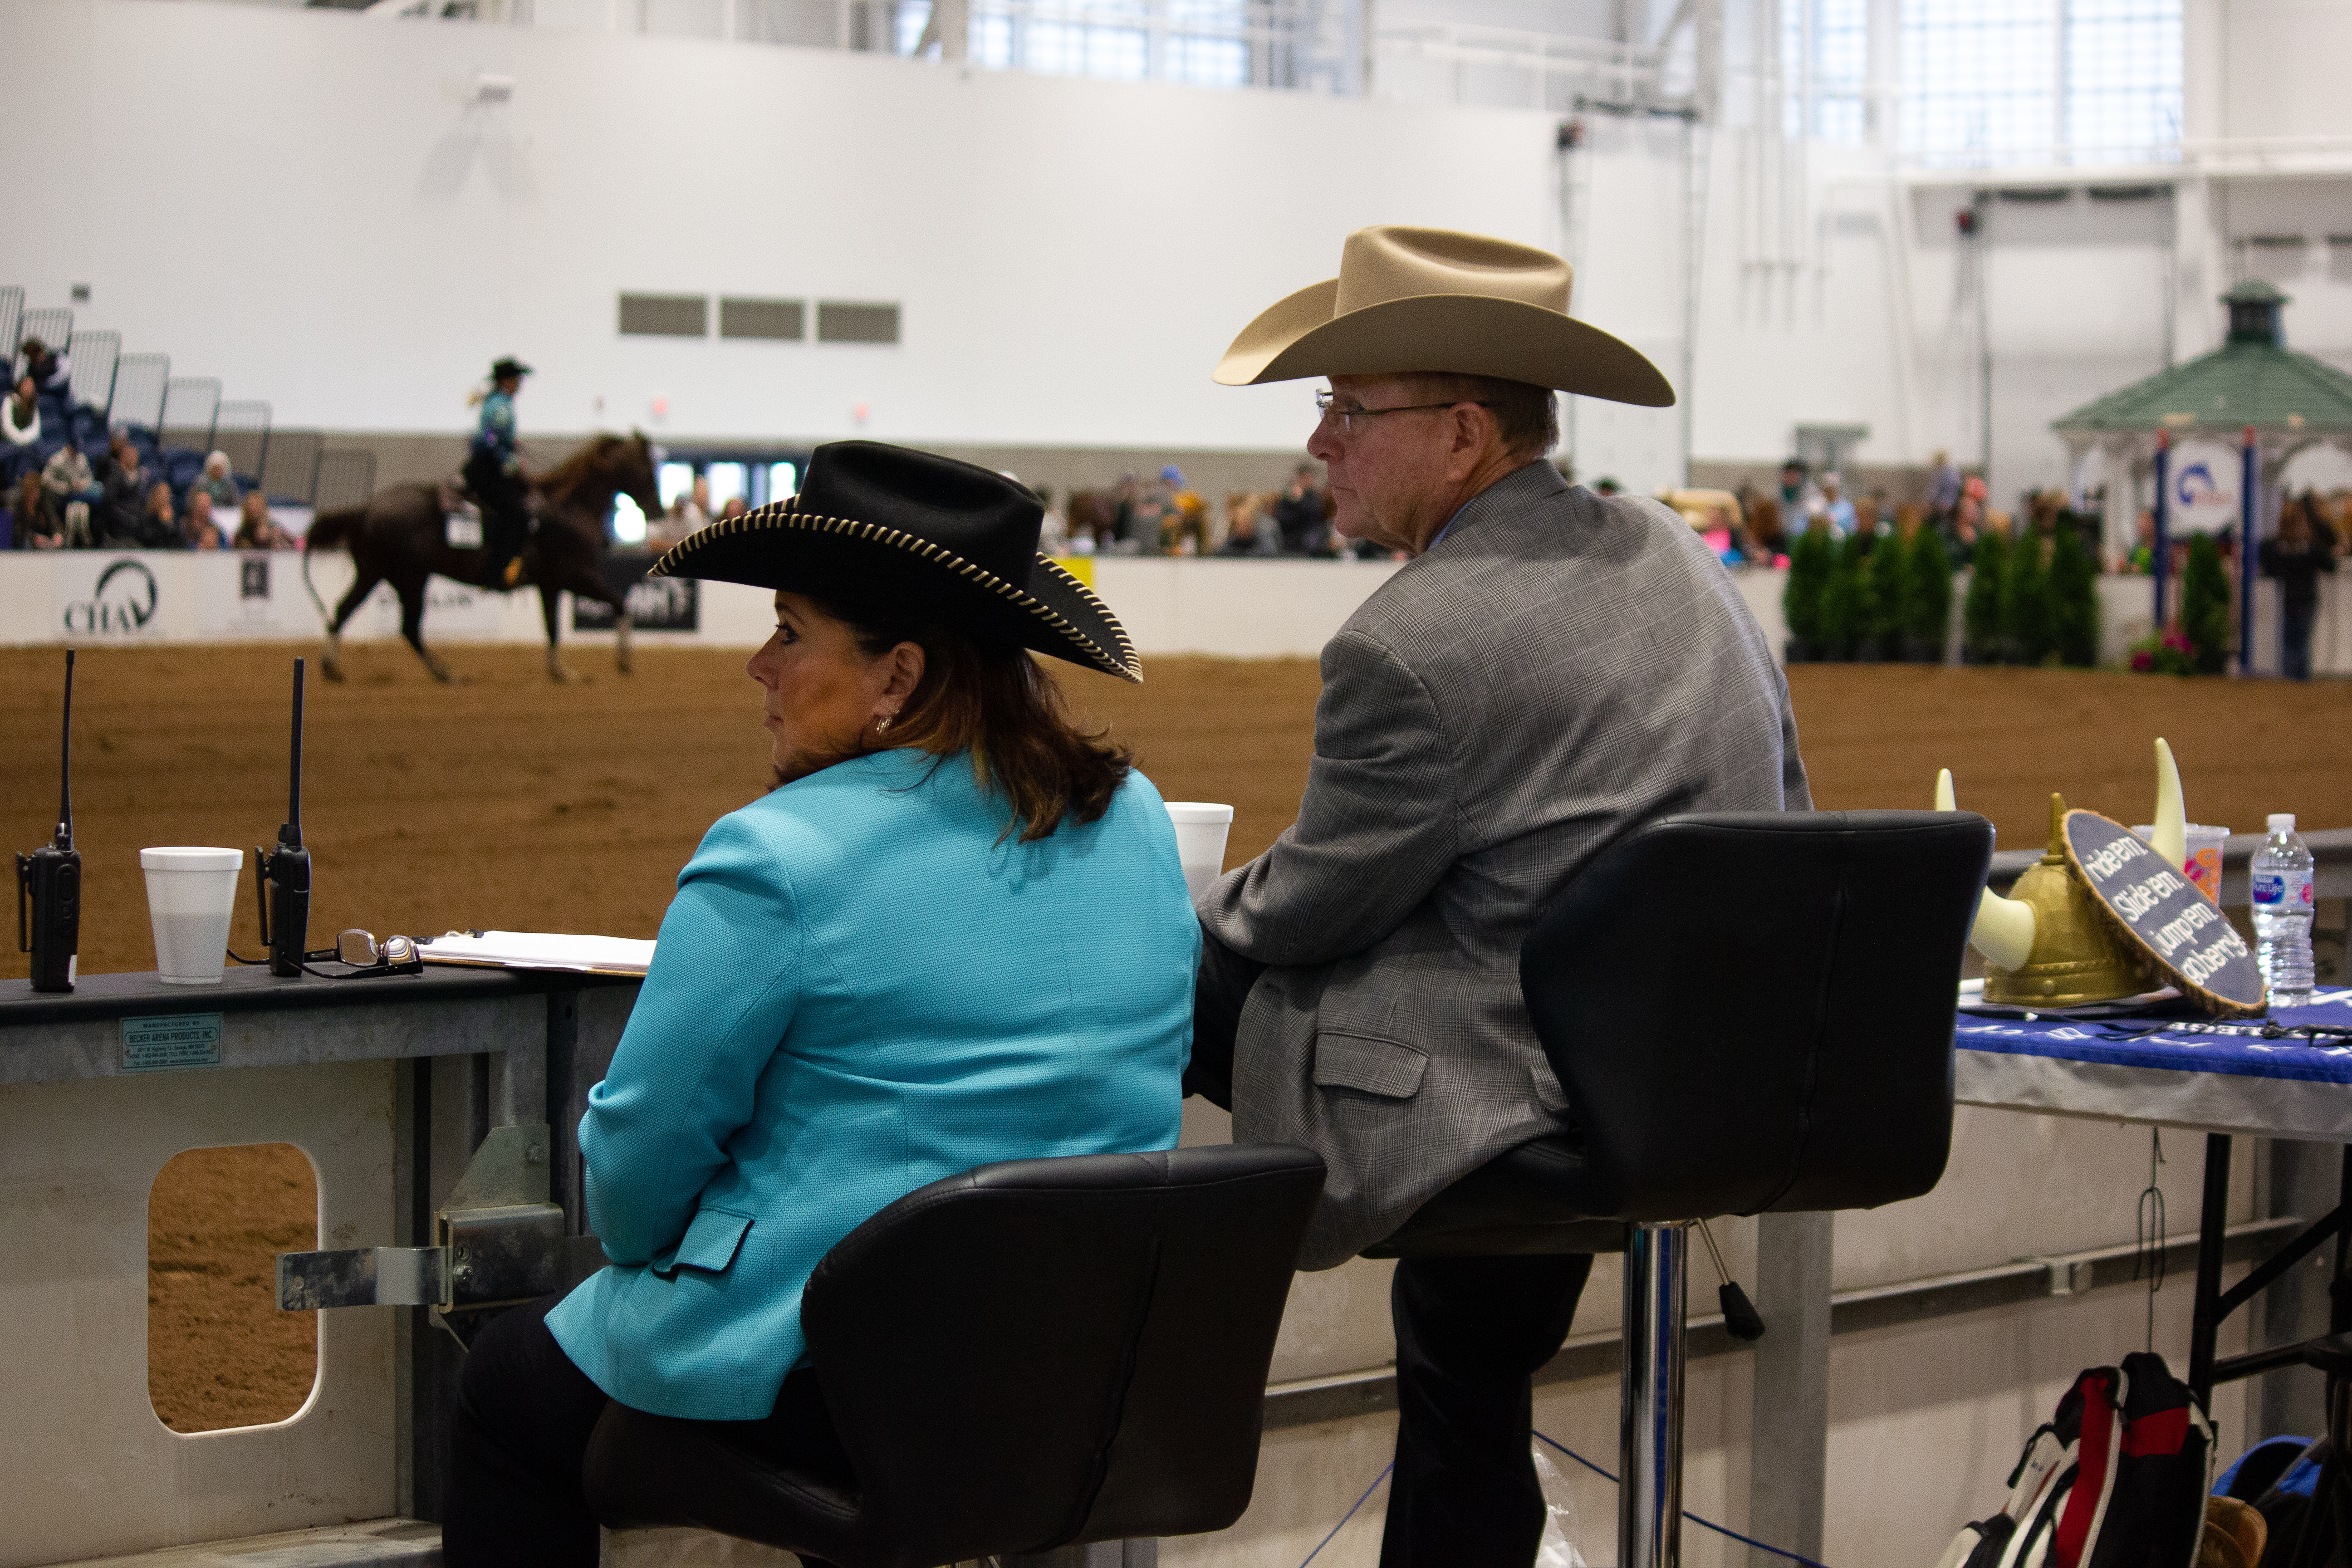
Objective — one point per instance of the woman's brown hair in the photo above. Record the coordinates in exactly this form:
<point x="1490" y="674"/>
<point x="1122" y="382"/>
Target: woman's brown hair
<point x="992" y="700"/>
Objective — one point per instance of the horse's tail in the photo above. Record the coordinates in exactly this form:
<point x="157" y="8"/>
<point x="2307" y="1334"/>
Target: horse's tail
<point x="333" y="531"/>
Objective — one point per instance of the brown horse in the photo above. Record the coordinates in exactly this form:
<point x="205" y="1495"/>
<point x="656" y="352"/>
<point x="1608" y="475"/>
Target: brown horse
<point x="400" y="538"/>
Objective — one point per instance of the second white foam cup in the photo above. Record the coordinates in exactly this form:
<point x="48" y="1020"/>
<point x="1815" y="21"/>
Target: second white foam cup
<point x="1201" y="829"/>
<point x="191" y="897"/>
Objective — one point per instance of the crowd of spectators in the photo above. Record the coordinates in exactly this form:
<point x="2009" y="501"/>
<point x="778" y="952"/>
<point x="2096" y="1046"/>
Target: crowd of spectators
<point x="1162" y="515"/>
<point x="68" y="483"/>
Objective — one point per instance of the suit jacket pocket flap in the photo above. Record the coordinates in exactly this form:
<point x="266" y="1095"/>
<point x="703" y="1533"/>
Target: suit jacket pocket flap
<point x="710" y="1242"/>
<point x="1375" y="1066"/>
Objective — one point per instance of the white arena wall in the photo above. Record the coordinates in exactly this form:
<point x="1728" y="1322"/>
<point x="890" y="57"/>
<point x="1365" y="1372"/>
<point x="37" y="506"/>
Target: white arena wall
<point x="1222" y="608"/>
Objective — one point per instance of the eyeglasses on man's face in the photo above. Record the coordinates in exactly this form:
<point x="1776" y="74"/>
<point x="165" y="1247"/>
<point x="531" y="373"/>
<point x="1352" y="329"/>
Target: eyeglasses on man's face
<point x="1351" y="420"/>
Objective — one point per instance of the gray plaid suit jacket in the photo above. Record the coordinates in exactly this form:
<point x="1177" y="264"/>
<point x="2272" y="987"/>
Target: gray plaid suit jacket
<point x="1554" y="671"/>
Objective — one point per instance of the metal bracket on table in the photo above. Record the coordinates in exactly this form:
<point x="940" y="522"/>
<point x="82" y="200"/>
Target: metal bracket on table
<point x="502" y="1243"/>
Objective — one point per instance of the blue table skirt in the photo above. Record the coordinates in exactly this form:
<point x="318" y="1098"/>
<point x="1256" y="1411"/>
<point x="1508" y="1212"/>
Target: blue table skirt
<point x="2210" y="1077"/>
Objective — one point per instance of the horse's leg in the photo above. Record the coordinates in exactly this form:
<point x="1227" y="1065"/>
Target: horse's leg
<point x="412" y="626"/>
<point x="330" y="665"/>
<point x="551" y="599"/>
<point x="586" y="581"/>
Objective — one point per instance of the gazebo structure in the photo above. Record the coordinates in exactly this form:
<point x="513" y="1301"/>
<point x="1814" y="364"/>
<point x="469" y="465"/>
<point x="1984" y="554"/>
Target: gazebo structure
<point x="2278" y="401"/>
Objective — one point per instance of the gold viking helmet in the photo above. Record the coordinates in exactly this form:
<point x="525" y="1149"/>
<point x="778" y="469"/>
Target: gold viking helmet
<point x="2047" y="942"/>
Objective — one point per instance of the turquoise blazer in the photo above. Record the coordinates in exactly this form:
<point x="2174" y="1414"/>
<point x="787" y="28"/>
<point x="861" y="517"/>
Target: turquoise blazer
<point x="862" y="985"/>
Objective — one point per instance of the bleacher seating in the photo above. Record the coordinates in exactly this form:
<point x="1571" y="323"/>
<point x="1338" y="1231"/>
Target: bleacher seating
<point x="173" y="422"/>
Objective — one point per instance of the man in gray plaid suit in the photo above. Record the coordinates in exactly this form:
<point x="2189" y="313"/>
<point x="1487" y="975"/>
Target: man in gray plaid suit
<point x="1549" y="670"/>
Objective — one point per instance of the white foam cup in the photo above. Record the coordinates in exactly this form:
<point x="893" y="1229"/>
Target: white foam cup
<point x="191" y="897"/>
<point x="1201" y="829"/>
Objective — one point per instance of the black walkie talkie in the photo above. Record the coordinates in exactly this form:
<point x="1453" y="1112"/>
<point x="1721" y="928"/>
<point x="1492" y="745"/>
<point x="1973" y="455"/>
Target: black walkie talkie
<point x="283" y="874"/>
<point x="51" y="877"/>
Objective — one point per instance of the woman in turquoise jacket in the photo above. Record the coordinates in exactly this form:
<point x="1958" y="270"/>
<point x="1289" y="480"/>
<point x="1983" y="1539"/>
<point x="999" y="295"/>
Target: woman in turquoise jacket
<point x="955" y="932"/>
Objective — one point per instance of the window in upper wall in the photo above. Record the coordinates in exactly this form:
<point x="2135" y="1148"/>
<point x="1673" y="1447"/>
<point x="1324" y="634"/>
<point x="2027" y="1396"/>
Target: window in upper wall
<point x="1203" y="42"/>
<point x="1839" y="34"/>
<point x="2122" y="79"/>
<point x="1997" y="82"/>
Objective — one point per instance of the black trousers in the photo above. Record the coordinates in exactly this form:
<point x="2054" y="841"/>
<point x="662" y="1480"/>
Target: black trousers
<point x="1471" y="1334"/>
<point x="505" y="502"/>
<point x="514" y="1499"/>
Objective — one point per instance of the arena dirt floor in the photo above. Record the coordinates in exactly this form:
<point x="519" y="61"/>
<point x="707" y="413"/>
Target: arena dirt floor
<point x="507" y="801"/>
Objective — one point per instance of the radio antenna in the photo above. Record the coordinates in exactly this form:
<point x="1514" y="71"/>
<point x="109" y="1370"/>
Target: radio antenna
<point x="292" y="834"/>
<point x="65" y="766"/>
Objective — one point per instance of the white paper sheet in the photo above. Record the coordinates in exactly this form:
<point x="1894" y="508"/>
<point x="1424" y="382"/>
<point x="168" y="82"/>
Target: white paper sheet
<point x="541" y="950"/>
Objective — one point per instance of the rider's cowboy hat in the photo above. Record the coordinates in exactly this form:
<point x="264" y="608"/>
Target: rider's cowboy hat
<point x="882" y="526"/>
<point x="1433" y="300"/>
<point x="507" y="367"/>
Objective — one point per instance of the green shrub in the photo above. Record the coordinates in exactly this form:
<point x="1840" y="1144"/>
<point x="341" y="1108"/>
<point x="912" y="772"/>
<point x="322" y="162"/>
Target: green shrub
<point x="2205" y="605"/>
<point x="1800" y="600"/>
<point x="1927" y="590"/>
<point x="1878" y="573"/>
<point x="2073" y="598"/>
<point x="1981" y="625"/>
<point x="1845" y="608"/>
<point x="2026" y="618"/>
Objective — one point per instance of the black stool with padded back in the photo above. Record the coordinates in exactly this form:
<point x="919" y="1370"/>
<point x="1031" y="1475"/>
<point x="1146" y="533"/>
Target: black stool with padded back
<point x="1028" y="1357"/>
<point x="1749" y="1011"/>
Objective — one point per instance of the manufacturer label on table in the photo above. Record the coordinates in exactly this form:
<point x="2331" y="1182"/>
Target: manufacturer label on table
<point x="179" y="1040"/>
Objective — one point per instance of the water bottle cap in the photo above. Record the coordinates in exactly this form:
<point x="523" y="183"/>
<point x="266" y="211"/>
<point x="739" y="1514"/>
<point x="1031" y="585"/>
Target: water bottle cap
<point x="2281" y="822"/>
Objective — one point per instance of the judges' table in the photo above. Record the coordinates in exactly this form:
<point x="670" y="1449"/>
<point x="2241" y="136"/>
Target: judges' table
<point x="2289" y="1077"/>
<point x="388" y="1085"/>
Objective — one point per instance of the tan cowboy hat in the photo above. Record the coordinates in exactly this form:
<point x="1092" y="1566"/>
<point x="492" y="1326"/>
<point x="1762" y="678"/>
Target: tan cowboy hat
<point x="1434" y="299"/>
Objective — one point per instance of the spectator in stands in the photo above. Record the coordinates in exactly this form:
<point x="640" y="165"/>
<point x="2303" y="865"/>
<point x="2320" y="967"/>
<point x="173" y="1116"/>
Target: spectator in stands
<point x="67" y="476"/>
<point x="1800" y="497"/>
<point x="34" y="518"/>
<point x="158" y="527"/>
<point x="2140" y="559"/>
<point x="20" y="427"/>
<point x="1833" y="504"/>
<point x="197" y="529"/>
<point x="123" y="500"/>
<point x="736" y="507"/>
<point x="1606" y="487"/>
<point x="218" y="482"/>
<point x="1187" y="516"/>
<point x="52" y="374"/>
<point x="2306" y="547"/>
<point x="255" y="528"/>
<point x="72" y="489"/>
<point x="1298" y="514"/>
<point x="1146" y="520"/>
<point x="1943" y="486"/>
<point x="1246" y="530"/>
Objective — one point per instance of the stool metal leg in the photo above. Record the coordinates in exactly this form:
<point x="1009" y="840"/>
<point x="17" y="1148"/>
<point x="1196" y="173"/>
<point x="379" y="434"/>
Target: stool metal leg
<point x="1649" y="1417"/>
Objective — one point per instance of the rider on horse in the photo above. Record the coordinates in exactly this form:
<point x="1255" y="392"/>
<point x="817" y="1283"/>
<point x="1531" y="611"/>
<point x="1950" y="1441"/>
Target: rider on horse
<point x="494" y="472"/>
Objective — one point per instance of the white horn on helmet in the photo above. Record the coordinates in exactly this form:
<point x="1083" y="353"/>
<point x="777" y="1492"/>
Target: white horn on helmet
<point x="2004" y="928"/>
<point x="2170" y="838"/>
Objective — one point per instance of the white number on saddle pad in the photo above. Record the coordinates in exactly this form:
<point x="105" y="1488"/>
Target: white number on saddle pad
<point x="464" y="533"/>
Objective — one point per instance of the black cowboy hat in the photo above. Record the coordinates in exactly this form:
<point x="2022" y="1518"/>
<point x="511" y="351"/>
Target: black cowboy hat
<point x="507" y="367"/>
<point x="890" y="528"/>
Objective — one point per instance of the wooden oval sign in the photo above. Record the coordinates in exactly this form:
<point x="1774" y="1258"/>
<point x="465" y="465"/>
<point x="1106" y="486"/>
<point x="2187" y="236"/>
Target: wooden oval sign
<point x="2191" y="942"/>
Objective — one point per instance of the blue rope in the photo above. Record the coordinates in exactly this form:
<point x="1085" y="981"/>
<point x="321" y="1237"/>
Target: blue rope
<point x="1352" y="1512"/>
<point x="1720" y="1530"/>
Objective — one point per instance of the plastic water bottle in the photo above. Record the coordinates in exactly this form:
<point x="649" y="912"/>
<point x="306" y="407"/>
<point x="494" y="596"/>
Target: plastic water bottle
<point x="2283" y="909"/>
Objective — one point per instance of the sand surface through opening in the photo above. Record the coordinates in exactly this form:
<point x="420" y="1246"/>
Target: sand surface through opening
<point x="508" y="801"/>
